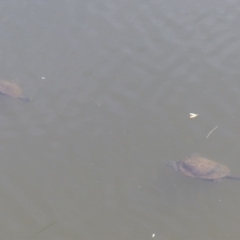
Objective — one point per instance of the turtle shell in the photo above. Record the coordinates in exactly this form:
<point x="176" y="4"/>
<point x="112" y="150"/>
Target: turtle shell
<point x="198" y="167"/>
<point x="11" y="89"/>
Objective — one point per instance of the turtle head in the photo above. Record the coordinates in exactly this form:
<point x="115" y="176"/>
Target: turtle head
<point x="25" y="99"/>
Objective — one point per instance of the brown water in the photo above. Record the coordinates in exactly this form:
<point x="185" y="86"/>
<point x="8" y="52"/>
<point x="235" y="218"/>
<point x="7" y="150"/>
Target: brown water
<point x="112" y="84"/>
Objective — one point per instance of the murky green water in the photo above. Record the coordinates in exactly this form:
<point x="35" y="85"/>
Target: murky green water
<point x="111" y="86"/>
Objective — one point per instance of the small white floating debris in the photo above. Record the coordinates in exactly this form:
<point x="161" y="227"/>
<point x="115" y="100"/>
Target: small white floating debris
<point x="193" y="115"/>
<point x="153" y="235"/>
<point x="211" y="131"/>
<point x="43" y="78"/>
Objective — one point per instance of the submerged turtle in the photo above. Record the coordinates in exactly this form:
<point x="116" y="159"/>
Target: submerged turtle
<point x="11" y="89"/>
<point x="199" y="167"/>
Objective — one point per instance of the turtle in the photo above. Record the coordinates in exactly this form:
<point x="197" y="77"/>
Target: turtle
<point x="12" y="89"/>
<point x="199" y="167"/>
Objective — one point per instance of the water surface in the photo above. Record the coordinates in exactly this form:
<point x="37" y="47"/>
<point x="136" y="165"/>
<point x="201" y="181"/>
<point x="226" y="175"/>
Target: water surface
<point x="112" y="85"/>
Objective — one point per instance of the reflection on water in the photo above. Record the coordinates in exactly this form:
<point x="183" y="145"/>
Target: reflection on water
<point x="111" y="87"/>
